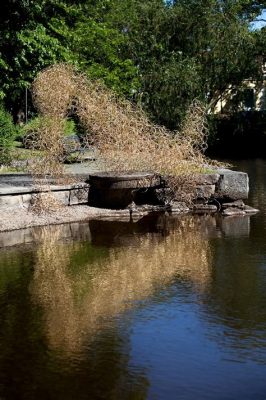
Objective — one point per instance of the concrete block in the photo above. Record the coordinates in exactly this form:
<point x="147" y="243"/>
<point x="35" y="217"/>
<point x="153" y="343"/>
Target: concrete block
<point x="205" y="191"/>
<point x="26" y="200"/>
<point x="204" y="208"/>
<point x="233" y="185"/>
<point x="79" y="196"/>
<point x="11" y="201"/>
<point x="207" y="179"/>
<point x="63" y="197"/>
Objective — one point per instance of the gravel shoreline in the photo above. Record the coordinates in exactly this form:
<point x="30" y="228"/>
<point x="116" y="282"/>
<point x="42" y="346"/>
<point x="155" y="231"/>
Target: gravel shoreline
<point x="20" y="218"/>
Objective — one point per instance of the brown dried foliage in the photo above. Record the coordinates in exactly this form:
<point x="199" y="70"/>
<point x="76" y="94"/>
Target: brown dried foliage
<point x="53" y="90"/>
<point x="44" y="202"/>
<point x="124" y="136"/>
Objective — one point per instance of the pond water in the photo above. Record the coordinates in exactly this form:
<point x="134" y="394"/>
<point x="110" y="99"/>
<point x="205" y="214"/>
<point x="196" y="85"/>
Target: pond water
<point x="161" y="308"/>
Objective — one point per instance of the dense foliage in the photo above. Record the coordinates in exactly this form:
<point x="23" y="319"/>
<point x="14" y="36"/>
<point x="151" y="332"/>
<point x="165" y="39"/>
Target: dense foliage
<point x="7" y="134"/>
<point x="161" y="54"/>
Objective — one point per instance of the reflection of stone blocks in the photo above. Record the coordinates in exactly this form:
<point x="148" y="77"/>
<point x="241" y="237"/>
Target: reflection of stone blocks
<point x="14" y="238"/>
<point x="235" y="226"/>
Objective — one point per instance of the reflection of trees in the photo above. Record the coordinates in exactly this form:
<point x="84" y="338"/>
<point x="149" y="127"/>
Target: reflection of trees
<point x="79" y="302"/>
<point x="78" y="287"/>
<point x="31" y="370"/>
<point x="236" y="299"/>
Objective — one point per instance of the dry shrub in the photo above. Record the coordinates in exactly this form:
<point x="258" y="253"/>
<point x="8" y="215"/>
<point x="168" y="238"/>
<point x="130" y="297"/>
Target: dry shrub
<point x="48" y="139"/>
<point x="44" y="202"/>
<point x="126" y="139"/>
<point x="52" y="93"/>
<point x="53" y="90"/>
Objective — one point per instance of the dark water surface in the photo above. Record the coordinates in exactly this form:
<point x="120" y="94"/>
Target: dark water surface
<point x="158" y="309"/>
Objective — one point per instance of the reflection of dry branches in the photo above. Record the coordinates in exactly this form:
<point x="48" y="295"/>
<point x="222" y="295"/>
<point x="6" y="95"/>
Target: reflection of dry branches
<point x="79" y="304"/>
<point x="123" y="134"/>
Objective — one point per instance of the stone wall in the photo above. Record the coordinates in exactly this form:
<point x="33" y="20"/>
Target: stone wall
<point x="224" y="190"/>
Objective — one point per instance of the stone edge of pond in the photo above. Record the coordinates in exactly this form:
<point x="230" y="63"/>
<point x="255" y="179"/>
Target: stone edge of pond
<point x="220" y="190"/>
<point x="21" y="218"/>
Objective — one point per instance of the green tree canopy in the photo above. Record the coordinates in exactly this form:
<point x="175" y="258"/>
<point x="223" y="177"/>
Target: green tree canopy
<point x="162" y="54"/>
<point x="38" y="33"/>
<point x="189" y="49"/>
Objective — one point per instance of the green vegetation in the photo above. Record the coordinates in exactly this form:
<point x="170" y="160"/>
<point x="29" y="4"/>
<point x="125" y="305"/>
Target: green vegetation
<point x="32" y="127"/>
<point x="162" y="55"/>
<point x="7" y="134"/>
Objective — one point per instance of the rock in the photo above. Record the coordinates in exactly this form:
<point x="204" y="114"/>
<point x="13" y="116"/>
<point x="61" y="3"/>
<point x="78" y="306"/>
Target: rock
<point x="204" y="208"/>
<point x="26" y="200"/>
<point x="11" y="201"/>
<point x="62" y="196"/>
<point x="233" y="185"/>
<point x="163" y="195"/>
<point x="250" y="210"/>
<point x="205" y="191"/>
<point x="178" y="207"/>
<point x="79" y="196"/>
<point x="207" y="179"/>
<point x="233" y="211"/>
<point x="238" y="204"/>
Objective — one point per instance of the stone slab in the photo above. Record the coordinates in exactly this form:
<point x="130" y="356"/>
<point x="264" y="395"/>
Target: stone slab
<point x="250" y="210"/>
<point x="12" y="190"/>
<point x="238" y="204"/>
<point x="208" y="179"/>
<point x="204" y="208"/>
<point x="233" y="211"/>
<point x="11" y="201"/>
<point x="205" y="191"/>
<point x="79" y="196"/>
<point x="62" y="196"/>
<point x="233" y="185"/>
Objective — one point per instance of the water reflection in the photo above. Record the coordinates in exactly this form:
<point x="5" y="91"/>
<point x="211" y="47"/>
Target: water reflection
<point x="92" y="310"/>
<point x="236" y="299"/>
<point x="81" y="299"/>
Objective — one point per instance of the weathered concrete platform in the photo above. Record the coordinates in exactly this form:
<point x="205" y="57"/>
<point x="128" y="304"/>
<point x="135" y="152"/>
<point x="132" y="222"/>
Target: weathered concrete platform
<point x="17" y="190"/>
